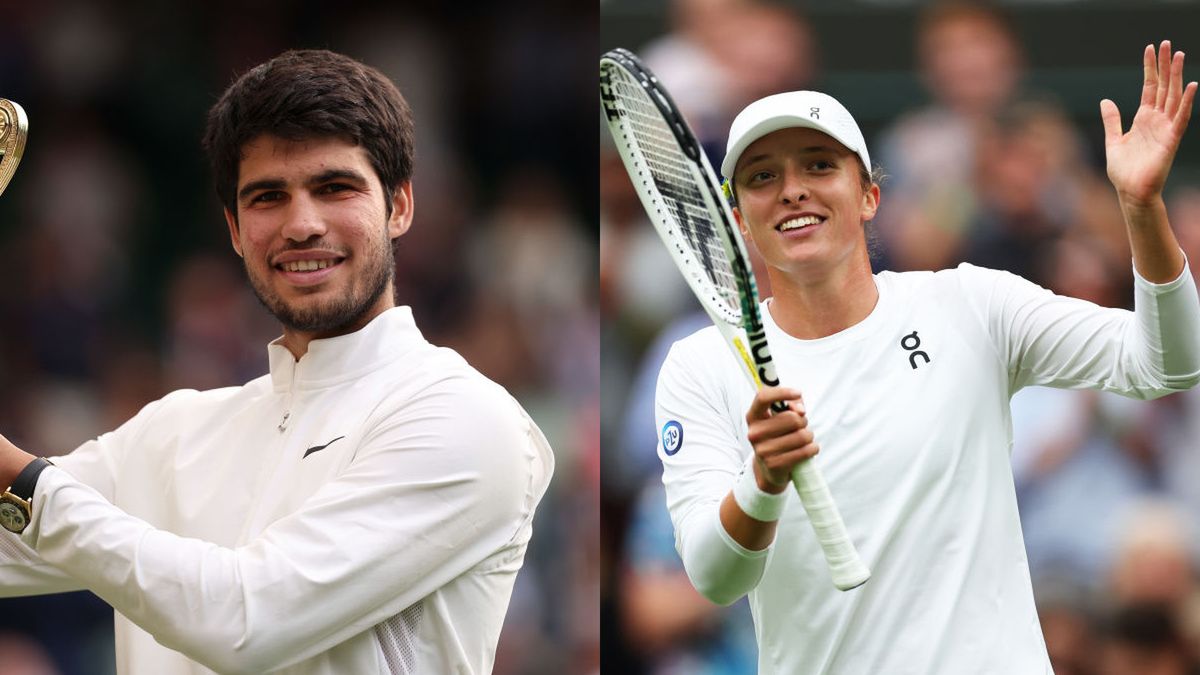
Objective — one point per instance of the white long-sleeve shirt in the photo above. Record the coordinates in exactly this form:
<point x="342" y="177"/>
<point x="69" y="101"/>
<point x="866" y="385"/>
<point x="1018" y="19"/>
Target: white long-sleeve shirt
<point x="911" y="410"/>
<point x="362" y="510"/>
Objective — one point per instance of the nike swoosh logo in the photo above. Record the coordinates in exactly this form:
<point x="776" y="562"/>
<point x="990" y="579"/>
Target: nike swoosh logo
<point x="318" y="448"/>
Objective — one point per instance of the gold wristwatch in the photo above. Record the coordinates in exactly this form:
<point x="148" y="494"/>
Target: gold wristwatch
<point x="16" y="504"/>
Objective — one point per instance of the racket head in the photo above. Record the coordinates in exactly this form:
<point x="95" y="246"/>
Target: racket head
<point x="682" y="197"/>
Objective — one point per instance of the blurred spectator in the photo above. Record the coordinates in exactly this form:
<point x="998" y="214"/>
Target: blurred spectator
<point x="1154" y="562"/>
<point x="1073" y="478"/>
<point x="639" y="285"/>
<point x="1023" y="205"/>
<point x="677" y="630"/>
<point x="21" y="656"/>
<point x="215" y="329"/>
<point x="986" y="172"/>
<point x="633" y="461"/>
<point x="712" y="77"/>
<point x="971" y="63"/>
<point x="1068" y="625"/>
<point x="1033" y="186"/>
<point x="534" y="260"/>
<point x="780" y="54"/>
<point x="1143" y="639"/>
<point x="687" y="59"/>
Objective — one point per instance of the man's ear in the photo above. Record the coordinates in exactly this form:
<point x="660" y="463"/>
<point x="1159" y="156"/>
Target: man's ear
<point x="402" y="210"/>
<point x="234" y="231"/>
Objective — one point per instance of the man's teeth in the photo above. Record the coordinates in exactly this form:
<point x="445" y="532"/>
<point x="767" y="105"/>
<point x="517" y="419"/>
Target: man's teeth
<point x="306" y="265"/>
<point x="798" y="223"/>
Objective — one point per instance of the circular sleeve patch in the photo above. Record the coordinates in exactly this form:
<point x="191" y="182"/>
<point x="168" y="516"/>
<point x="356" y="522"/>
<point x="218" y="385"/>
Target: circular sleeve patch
<point x="672" y="437"/>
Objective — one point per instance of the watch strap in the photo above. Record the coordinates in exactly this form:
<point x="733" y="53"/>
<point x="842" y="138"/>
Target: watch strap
<point x="26" y="481"/>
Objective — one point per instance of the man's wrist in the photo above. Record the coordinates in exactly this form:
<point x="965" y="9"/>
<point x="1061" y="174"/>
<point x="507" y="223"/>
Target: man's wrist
<point x="16" y="503"/>
<point x="13" y="460"/>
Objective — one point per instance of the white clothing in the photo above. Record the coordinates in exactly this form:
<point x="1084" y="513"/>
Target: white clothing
<point x="362" y="510"/>
<point x="915" y="442"/>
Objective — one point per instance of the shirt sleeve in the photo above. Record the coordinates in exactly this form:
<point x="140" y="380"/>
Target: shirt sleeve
<point x="22" y="570"/>
<point x="1053" y="340"/>
<point x="703" y="448"/>
<point x="440" y="486"/>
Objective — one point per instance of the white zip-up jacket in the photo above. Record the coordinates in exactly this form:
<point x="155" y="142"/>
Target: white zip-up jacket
<point x="362" y="510"/>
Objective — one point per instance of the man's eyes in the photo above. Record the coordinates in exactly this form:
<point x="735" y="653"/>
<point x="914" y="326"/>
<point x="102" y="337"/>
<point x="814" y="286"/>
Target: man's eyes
<point x="329" y="188"/>
<point x="278" y="195"/>
<point x="269" y="196"/>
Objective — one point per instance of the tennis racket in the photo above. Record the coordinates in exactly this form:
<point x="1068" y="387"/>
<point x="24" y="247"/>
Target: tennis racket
<point x="680" y="193"/>
<point x="14" y="127"/>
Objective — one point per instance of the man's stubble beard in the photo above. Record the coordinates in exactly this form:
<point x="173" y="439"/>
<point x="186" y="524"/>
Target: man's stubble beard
<point x="339" y="312"/>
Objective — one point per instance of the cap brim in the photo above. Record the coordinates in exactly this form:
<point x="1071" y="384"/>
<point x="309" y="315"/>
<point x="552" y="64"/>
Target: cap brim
<point x="770" y="125"/>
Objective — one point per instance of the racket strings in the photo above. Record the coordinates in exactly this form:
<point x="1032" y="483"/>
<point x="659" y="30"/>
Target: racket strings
<point x="671" y="172"/>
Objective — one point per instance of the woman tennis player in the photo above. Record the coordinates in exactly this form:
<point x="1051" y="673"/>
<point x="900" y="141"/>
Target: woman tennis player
<point x="906" y="381"/>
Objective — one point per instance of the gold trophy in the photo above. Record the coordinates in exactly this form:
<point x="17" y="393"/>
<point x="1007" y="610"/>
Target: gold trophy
<point x="14" y="127"/>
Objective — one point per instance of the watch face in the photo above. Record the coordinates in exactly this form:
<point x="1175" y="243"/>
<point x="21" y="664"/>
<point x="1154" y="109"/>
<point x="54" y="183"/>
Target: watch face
<point x="12" y="518"/>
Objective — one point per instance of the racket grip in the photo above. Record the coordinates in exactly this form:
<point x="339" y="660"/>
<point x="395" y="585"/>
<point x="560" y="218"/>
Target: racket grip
<point x="847" y="569"/>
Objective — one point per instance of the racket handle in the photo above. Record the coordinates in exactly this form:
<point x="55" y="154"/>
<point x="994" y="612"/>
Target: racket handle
<point x="845" y="566"/>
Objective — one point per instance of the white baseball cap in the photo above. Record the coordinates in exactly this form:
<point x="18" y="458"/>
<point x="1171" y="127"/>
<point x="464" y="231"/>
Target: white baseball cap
<point x="810" y="109"/>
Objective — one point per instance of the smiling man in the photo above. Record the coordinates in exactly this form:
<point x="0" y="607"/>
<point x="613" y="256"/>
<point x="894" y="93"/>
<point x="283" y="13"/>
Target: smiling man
<point x="307" y="224"/>
<point x="363" y="508"/>
<point x="906" y="380"/>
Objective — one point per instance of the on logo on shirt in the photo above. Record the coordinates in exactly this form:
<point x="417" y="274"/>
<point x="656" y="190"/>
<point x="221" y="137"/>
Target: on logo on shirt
<point x="672" y="437"/>
<point x="910" y="343"/>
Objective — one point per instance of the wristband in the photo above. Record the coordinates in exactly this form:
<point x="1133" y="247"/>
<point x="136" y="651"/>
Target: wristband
<point x="754" y="502"/>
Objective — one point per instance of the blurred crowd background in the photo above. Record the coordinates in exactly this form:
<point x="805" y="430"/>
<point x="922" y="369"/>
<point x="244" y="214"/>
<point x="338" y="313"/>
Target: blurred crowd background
<point x="120" y="285"/>
<point x="985" y="118"/>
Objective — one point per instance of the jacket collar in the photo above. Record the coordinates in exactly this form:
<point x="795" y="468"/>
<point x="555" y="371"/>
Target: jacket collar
<point x="335" y="360"/>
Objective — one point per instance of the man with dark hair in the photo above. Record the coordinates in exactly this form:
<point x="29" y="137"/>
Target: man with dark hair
<point x="364" y="507"/>
<point x="341" y="97"/>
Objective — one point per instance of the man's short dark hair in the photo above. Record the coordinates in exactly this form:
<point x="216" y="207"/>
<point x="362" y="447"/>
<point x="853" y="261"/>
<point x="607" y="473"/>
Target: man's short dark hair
<point x="311" y="93"/>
